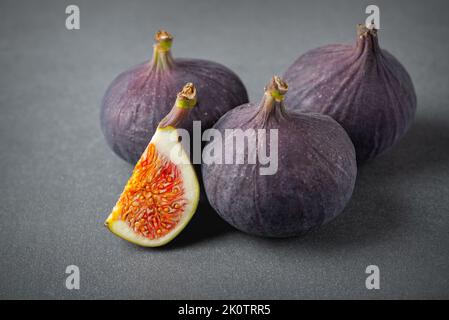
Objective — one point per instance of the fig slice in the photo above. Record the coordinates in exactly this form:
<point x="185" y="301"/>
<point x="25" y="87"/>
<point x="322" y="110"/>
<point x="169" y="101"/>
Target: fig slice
<point x="162" y="193"/>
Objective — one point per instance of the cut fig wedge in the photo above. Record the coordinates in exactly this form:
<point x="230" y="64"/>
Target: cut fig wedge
<point x="162" y="194"/>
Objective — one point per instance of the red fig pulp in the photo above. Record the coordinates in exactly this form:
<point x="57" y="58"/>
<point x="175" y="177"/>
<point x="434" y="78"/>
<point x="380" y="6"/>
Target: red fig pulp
<point x="365" y="88"/>
<point x="315" y="176"/>
<point x="139" y="98"/>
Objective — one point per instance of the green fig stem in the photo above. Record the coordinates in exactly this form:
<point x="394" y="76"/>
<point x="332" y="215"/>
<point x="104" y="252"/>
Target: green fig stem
<point x="162" y="58"/>
<point x="273" y="99"/>
<point x="185" y="101"/>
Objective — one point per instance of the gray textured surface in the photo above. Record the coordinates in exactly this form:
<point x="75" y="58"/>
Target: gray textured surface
<point x="58" y="179"/>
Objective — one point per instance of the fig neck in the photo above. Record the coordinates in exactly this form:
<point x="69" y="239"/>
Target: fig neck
<point x="272" y="104"/>
<point x="185" y="101"/>
<point x="162" y="59"/>
<point x="367" y="40"/>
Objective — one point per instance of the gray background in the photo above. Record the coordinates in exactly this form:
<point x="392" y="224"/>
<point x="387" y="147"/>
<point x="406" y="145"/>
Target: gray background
<point x="59" y="180"/>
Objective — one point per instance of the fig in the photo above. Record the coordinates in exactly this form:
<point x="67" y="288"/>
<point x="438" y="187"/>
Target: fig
<point x="365" y="88"/>
<point x="162" y="193"/>
<point x="315" y="176"/>
<point x="139" y="98"/>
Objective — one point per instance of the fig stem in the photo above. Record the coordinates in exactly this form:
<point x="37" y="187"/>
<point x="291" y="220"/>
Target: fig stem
<point x="185" y="101"/>
<point x="162" y="58"/>
<point x="273" y="99"/>
<point x="363" y="30"/>
<point x="367" y="38"/>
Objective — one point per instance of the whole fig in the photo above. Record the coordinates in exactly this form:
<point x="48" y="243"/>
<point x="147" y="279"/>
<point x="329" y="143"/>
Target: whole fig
<point x="140" y="97"/>
<point x="365" y="88"/>
<point x="315" y="176"/>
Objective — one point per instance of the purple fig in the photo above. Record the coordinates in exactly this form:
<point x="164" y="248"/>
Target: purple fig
<point x="365" y="88"/>
<point x="139" y="98"/>
<point x="315" y="176"/>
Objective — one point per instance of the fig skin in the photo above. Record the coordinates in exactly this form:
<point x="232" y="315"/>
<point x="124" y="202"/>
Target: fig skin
<point x="315" y="178"/>
<point x="138" y="99"/>
<point x="365" y="88"/>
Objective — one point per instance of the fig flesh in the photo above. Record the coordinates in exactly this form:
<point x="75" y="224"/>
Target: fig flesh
<point x="365" y="88"/>
<point x="139" y="98"/>
<point x="314" y="179"/>
<point x="163" y="192"/>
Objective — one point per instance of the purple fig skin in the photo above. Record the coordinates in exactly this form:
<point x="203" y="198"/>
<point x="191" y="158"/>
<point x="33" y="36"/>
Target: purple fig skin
<point x="314" y="182"/>
<point x="139" y="98"/>
<point x="365" y="88"/>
